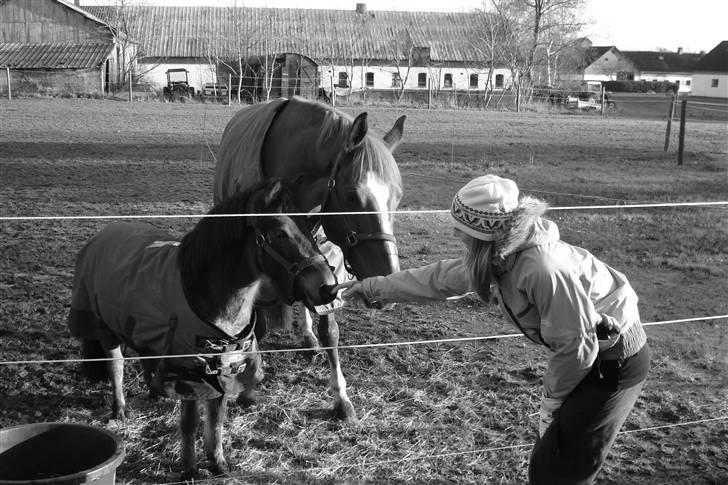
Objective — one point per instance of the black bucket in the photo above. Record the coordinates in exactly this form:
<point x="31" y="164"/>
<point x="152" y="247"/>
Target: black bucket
<point x="59" y="454"/>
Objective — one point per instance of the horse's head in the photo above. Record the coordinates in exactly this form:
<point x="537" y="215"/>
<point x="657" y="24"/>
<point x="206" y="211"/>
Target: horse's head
<point x="287" y="254"/>
<point x="363" y="187"/>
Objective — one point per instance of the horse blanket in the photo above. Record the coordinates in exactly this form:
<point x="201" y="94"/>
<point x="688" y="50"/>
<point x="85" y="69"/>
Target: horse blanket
<point x="127" y="288"/>
<point x="242" y="167"/>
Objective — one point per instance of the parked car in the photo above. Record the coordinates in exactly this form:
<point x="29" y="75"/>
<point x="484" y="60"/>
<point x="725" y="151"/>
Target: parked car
<point x="214" y="92"/>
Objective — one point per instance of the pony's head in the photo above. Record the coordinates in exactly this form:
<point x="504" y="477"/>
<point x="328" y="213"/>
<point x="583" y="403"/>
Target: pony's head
<point x="281" y="246"/>
<point x="287" y="253"/>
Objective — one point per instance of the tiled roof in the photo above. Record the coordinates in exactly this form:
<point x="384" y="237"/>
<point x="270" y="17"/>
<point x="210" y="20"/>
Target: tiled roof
<point x="716" y="60"/>
<point x="54" y="56"/>
<point x="317" y="33"/>
<point x="662" y="61"/>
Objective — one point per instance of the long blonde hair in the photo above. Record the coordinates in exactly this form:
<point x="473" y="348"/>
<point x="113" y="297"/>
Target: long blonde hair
<point x="478" y="259"/>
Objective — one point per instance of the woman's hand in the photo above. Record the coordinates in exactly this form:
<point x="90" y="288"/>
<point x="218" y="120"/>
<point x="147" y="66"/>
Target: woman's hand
<point x="352" y="293"/>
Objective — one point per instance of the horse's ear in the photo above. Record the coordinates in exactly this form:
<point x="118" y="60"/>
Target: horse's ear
<point x="358" y="131"/>
<point x="394" y="137"/>
<point x="272" y="193"/>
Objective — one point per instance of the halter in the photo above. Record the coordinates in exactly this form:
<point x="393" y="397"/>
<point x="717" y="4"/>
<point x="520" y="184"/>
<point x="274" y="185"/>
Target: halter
<point x="352" y="237"/>
<point x="293" y="268"/>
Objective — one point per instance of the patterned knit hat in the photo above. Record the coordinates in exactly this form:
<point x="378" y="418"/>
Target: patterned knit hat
<point x="483" y="207"/>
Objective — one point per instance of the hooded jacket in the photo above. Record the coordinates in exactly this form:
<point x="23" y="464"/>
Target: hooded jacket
<point x="553" y="292"/>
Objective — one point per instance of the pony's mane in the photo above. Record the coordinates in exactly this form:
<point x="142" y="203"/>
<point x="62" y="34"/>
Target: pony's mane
<point x="372" y="155"/>
<point x="213" y="235"/>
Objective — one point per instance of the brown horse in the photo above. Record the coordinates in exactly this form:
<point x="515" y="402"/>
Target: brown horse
<point x="339" y="167"/>
<point x="134" y="285"/>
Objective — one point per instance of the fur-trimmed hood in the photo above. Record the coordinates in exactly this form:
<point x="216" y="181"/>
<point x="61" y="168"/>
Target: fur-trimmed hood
<point x="527" y="228"/>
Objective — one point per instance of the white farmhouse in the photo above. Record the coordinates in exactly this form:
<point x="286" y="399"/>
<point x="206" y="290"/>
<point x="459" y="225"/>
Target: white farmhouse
<point x="710" y="77"/>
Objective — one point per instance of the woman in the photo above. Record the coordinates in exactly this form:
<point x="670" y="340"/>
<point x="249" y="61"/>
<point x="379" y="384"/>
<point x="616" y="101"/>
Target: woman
<point x="559" y="296"/>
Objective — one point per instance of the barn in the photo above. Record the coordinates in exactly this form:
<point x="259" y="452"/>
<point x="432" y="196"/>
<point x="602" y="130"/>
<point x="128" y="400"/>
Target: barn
<point x="55" y="48"/>
<point x="279" y="51"/>
<point x="711" y="73"/>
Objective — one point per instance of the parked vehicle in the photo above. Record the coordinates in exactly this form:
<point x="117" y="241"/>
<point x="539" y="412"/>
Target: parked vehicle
<point x="178" y="86"/>
<point x="214" y="92"/>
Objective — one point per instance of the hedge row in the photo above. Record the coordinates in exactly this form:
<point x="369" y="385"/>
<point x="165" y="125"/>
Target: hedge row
<point x="640" y="86"/>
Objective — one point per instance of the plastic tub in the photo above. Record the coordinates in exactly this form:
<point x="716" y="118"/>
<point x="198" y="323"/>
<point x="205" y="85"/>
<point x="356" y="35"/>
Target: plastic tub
<point x="59" y="454"/>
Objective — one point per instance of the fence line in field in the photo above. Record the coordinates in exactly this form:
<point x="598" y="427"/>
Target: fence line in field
<point x="340" y="347"/>
<point x="415" y="457"/>
<point x="413" y="211"/>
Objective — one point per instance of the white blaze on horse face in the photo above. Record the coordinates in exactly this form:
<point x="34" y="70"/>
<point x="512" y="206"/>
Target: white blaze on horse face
<point x="381" y="193"/>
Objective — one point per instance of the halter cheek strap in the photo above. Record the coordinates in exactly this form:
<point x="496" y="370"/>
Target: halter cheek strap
<point x="293" y="268"/>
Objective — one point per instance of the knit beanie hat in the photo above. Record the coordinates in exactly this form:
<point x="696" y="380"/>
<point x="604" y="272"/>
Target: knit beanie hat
<point x="483" y="208"/>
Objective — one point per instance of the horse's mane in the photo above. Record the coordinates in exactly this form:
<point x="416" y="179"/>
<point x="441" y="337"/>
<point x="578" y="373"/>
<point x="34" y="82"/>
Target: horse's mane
<point x="213" y="235"/>
<point x="372" y="155"/>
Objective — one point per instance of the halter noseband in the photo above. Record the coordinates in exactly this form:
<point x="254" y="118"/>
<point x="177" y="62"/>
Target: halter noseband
<point x="352" y="237"/>
<point x="292" y="268"/>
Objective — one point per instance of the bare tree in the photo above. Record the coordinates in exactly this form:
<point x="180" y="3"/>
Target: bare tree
<point x="401" y="51"/>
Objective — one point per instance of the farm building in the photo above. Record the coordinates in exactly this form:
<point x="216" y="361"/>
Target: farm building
<point x="675" y="67"/>
<point x="281" y="52"/>
<point x="711" y="73"/>
<point x="596" y="64"/>
<point x="53" y="47"/>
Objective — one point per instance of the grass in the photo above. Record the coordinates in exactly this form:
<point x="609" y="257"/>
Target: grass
<point x="450" y="412"/>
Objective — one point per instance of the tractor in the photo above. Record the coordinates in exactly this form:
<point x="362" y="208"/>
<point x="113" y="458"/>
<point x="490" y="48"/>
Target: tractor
<point x="178" y="86"/>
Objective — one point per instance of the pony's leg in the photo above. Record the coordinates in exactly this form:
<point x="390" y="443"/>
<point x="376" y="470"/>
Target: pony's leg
<point x="308" y="338"/>
<point x="116" y="375"/>
<point x="216" y="410"/>
<point x="189" y="421"/>
<point x="328" y="331"/>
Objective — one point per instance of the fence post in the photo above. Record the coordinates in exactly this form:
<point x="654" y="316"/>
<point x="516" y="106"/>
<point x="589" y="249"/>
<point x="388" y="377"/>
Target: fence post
<point x="230" y="87"/>
<point x="681" y="138"/>
<point x="518" y="98"/>
<point x="601" y="103"/>
<point x="429" y="93"/>
<point x="130" y="93"/>
<point x="670" y="116"/>
<point x="10" y="91"/>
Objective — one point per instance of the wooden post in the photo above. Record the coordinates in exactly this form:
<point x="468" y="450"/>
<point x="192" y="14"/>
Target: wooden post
<point x="130" y="94"/>
<point x="518" y="98"/>
<point x="429" y="93"/>
<point x="333" y="92"/>
<point x="681" y="138"/>
<point x="10" y="91"/>
<point x="670" y="116"/>
<point x="230" y="87"/>
<point x="602" y="96"/>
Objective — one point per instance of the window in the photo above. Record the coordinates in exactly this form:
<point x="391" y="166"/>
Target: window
<point x="343" y="80"/>
<point x="474" y="81"/>
<point x="448" y="80"/>
<point x="422" y="80"/>
<point x="499" y="78"/>
<point x="688" y="82"/>
<point x="396" y="80"/>
<point x="370" y="80"/>
<point x="713" y="83"/>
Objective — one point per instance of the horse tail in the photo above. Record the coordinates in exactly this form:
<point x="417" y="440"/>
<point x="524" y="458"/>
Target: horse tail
<point x="95" y="371"/>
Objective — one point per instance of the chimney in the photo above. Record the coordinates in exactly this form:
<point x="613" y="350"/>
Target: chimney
<point x="679" y="50"/>
<point x="361" y="8"/>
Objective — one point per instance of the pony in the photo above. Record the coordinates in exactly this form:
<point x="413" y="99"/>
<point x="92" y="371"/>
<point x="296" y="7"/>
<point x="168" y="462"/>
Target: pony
<point x="338" y="167"/>
<point x="137" y="286"/>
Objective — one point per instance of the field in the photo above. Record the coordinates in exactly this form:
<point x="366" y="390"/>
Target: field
<point x="450" y="412"/>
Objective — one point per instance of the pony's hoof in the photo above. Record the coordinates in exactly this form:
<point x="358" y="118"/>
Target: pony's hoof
<point x="247" y="398"/>
<point x="344" y="411"/>
<point x="190" y="475"/>
<point x="219" y="468"/>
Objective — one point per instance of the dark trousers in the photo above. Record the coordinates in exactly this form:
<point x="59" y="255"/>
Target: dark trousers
<point x="575" y="445"/>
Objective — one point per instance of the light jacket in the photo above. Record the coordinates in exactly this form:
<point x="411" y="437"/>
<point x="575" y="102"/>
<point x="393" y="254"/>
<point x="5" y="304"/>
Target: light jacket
<point x="553" y="292"/>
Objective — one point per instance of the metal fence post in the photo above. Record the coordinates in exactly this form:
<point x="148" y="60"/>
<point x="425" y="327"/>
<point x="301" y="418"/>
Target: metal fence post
<point x="10" y="91"/>
<point x="670" y="116"/>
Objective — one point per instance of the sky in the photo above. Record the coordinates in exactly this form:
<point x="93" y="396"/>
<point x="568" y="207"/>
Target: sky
<point x="694" y="25"/>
